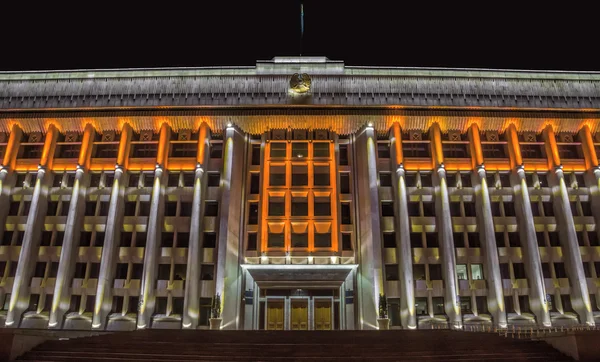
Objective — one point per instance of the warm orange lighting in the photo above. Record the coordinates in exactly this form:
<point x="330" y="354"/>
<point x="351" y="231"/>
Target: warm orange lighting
<point x="162" y="155"/>
<point x="475" y="144"/>
<point x="49" y="146"/>
<point x="514" y="149"/>
<point x="436" y="145"/>
<point x="203" y="142"/>
<point x="86" y="146"/>
<point x="397" y="144"/>
<point x="124" y="144"/>
<point x="14" y="141"/>
<point x="551" y="146"/>
<point x="587" y="144"/>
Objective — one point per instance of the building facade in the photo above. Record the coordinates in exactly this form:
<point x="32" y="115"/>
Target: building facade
<point x="299" y="190"/>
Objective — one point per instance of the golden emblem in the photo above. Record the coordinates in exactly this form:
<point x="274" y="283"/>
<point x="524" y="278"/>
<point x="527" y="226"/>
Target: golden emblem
<point x="300" y="83"/>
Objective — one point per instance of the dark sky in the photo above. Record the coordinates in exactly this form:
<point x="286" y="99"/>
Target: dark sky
<point x="172" y="34"/>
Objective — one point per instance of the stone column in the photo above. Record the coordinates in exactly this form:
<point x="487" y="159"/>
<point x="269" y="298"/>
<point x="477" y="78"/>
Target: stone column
<point x="68" y="254"/>
<point x="228" y="275"/>
<point x="191" y="304"/>
<point x="7" y="180"/>
<point x="370" y="274"/>
<point x="593" y="171"/>
<point x="408" y="317"/>
<point x="112" y="235"/>
<point x="529" y="246"/>
<point x="487" y="234"/>
<point x="444" y="227"/>
<point x="19" y="299"/>
<point x="154" y="231"/>
<point x="7" y="171"/>
<point x="580" y="297"/>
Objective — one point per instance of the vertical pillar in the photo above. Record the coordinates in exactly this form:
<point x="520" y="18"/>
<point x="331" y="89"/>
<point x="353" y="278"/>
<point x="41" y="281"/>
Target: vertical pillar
<point x="370" y="274"/>
<point x="112" y="235"/>
<point x="228" y="275"/>
<point x="593" y="170"/>
<point x="7" y="171"/>
<point x="580" y="297"/>
<point x="191" y="304"/>
<point x="408" y="317"/>
<point x="444" y="227"/>
<point x="487" y="235"/>
<point x="19" y="300"/>
<point x="68" y="254"/>
<point x="529" y="246"/>
<point x="154" y="231"/>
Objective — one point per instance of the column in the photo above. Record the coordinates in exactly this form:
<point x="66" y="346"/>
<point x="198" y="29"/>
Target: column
<point x="487" y="234"/>
<point x="529" y="246"/>
<point x="19" y="299"/>
<point x="7" y="179"/>
<point x="154" y="231"/>
<point x="68" y="254"/>
<point x="580" y="297"/>
<point x="408" y="317"/>
<point x="370" y="274"/>
<point x="7" y="171"/>
<point x="191" y="304"/>
<point x="112" y="234"/>
<point x="444" y="227"/>
<point x="593" y="170"/>
<point x="228" y="275"/>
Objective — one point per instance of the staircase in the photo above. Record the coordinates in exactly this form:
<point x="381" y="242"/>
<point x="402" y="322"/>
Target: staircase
<point x="184" y="345"/>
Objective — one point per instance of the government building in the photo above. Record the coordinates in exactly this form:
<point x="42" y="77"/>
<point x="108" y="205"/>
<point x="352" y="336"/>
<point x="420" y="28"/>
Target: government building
<point x="299" y="190"/>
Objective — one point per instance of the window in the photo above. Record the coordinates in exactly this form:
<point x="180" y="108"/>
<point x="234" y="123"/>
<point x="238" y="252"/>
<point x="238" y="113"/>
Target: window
<point x="299" y="175"/>
<point x="171" y="208"/>
<point x="554" y="239"/>
<point x="254" y="183"/>
<point x="322" y="206"/>
<point x="275" y="240"/>
<point x="469" y="209"/>
<point x="461" y="272"/>
<point x="207" y="272"/>
<point x="414" y="208"/>
<point x="299" y="240"/>
<point x="256" y="154"/>
<point x="428" y="209"/>
<point x="344" y="183"/>
<point x="166" y="240"/>
<point x="519" y="269"/>
<point x="183" y="240"/>
<point x="391" y="272"/>
<point x="559" y="269"/>
<point x="322" y="240"/>
<point x="385" y="179"/>
<point x="383" y="150"/>
<point x="185" y="209"/>
<point x="278" y="150"/>
<point x="252" y="241"/>
<point x="320" y="149"/>
<point x="299" y="207"/>
<point x="389" y="240"/>
<point x="477" y="271"/>
<point x="321" y="177"/>
<point x="387" y="209"/>
<point x="300" y="149"/>
<point x="548" y="209"/>
<point x="459" y="240"/>
<point x="465" y="305"/>
<point x="343" y="155"/>
<point x="541" y="240"/>
<point x="465" y="179"/>
<point x="346" y="213"/>
<point x="419" y="272"/>
<point x="504" y="179"/>
<point x="435" y="272"/>
<point x="277" y="176"/>
<point x="513" y="240"/>
<point x="421" y="306"/>
<point x="253" y="214"/>
<point x="432" y="240"/>
<point x="211" y="208"/>
<point x="216" y="150"/>
<point x="494" y="150"/>
<point x="416" y="240"/>
<point x="173" y="180"/>
<point x="504" y="271"/>
<point x="438" y="305"/>
<point x="209" y="240"/>
<point x="346" y="242"/>
<point x="188" y="179"/>
<point x="276" y="206"/>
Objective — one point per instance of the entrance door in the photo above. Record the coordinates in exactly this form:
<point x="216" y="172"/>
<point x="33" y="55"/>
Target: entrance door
<point x="322" y="314"/>
<point x="299" y="320"/>
<point x="275" y="315"/>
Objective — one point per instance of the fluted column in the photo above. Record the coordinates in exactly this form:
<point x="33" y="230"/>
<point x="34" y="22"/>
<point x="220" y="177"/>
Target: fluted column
<point x="191" y="304"/>
<point x="154" y="231"/>
<point x="580" y="297"/>
<point x="445" y="230"/>
<point x="7" y="171"/>
<point x="487" y="234"/>
<point x="370" y="278"/>
<point x="228" y="272"/>
<point x="408" y="317"/>
<point x="529" y="246"/>
<point x="68" y="254"/>
<point x="112" y="234"/>
<point x="19" y="299"/>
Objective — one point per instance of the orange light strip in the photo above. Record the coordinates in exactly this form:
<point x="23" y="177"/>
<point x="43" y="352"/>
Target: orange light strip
<point x="551" y="147"/>
<point x="397" y="135"/>
<point x="12" y="148"/>
<point x="49" y="146"/>
<point x="587" y="144"/>
<point x="435" y="134"/>
<point x="86" y="146"/>
<point x="475" y="144"/>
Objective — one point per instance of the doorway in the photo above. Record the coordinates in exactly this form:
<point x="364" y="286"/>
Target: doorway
<point x="275" y="315"/>
<point x="299" y="317"/>
<point x="323" y="311"/>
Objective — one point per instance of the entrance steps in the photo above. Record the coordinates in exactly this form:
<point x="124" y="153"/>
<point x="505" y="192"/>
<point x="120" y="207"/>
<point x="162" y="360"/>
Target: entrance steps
<point x="185" y="345"/>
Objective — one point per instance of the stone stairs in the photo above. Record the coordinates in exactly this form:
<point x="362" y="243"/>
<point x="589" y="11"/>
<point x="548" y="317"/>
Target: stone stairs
<point x="185" y="345"/>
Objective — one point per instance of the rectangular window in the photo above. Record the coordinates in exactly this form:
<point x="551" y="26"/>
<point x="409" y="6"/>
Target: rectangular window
<point x="278" y="150"/>
<point x="419" y="271"/>
<point x="383" y="150"/>
<point x="322" y="206"/>
<point x="209" y="240"/>
<point x="216" y="150"/>
<point x="252" y="241"/>
<point x="435" y="272"/>
<point x="277" y="176"/>
<point x="321" y="177"/>
<point x="320" y="149"/>
<point x="432" y="240"/>
<point x="299" y="175"/>
<point x="276" y="240"/>
<point x="299" y="240"/>
<point x="387" y="209"/>
<point x="300" y="149"/>
<point x="389" y="240"/>
<point x="254" y="183"/>
<point x="276" y="206"/>
<point x="346" y="242"/>
<point x="504" y="271"/>
<point x="207" y="272"/>
<point x="322" y="240"/>
<point x="477" y="271"/>
<point x="461" y="272"/>
<point x="391" y="272"/>
<point x="343" y="155"/>
<point x="344" y="183"/>
<point x="438" y="305"/>
<point x="385" y="179"/>
<point x="299" y="206"/>
<point x="346" y="213"/>
<point x="421" y="306"/>
<point x="416" y="240"/>
<point x="253" y="214"/>
<point x="519" y="269"/>
<point x="256" y="154"/>
<point x="211" y="208"/>
<point x="173" y="180"/>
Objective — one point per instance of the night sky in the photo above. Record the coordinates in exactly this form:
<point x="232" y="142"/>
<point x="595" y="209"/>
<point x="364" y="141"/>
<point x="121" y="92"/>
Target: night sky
<point x="482" y="35"/>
